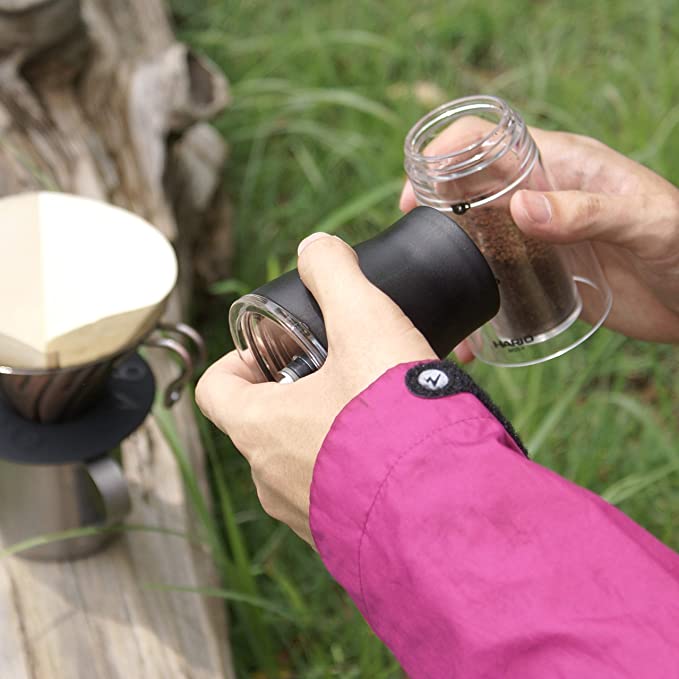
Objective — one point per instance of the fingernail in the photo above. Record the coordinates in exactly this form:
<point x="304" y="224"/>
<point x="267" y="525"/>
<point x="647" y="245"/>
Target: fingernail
<point x="310" y="239"/>
<point x="404" y="192"/>
<point x="537" y="207"/>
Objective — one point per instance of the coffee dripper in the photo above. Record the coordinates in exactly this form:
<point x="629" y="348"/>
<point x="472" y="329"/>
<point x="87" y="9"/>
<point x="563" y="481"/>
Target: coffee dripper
<point x="90" y="285"/>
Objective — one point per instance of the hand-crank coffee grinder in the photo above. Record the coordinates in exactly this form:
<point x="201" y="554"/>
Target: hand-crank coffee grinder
<point x="83" y="287"/>
<point x="424" y="262"/>
<point x="519" y="300"/>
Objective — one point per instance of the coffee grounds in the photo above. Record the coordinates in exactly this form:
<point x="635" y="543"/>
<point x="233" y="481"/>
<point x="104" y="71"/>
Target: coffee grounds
<point x="536" y="291"/>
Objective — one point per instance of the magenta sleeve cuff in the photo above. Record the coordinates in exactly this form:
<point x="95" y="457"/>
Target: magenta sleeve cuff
<point x="469" y="560"/>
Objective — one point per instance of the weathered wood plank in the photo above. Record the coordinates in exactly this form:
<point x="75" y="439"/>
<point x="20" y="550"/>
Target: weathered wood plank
<point x="89" y="93"/>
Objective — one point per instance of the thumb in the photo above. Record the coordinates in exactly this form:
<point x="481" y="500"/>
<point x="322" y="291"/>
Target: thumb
<point x="574" y="216"/>
<point x="407" y="201"/>
<point x="330" y="270"/>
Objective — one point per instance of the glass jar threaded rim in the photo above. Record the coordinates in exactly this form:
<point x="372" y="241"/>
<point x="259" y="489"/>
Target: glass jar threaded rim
<point x="505" y="133"/>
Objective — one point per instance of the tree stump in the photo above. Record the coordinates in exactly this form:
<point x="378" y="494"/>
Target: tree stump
<point x="98" y="99"/>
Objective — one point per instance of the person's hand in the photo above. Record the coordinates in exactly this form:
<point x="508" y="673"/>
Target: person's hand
<point x="279" y="428"/>
<point x="629" y="213"/>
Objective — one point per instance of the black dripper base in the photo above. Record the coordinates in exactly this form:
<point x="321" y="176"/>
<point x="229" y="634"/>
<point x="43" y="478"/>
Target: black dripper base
<point x="124" y="404"/>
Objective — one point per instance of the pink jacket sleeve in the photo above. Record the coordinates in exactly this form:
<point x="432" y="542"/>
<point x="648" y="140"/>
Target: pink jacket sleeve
<point x="470" y="561"/>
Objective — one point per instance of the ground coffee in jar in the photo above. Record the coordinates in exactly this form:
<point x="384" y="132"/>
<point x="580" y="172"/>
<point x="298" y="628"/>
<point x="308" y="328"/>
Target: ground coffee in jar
<point x="467" y="158"/>
<point x="537" y="293"/>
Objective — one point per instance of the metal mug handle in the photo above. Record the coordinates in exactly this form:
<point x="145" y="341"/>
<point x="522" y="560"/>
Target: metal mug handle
<point x="109" y="480"/>
<point x="185" y="331"/>
<point x="192" y="358"/>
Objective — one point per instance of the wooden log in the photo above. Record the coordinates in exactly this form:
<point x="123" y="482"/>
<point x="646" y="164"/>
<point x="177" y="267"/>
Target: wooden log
<point x="97" y="98"/>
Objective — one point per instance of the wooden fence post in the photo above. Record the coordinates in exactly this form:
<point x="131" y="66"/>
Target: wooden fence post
<point x="97" y="98"/>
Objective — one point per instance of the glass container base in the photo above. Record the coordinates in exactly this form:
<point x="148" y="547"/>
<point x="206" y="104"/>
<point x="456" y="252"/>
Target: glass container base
<point x="581" y="324"/>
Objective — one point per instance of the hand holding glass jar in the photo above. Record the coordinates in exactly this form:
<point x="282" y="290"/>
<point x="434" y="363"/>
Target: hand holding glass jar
<point x="628" y="214"/>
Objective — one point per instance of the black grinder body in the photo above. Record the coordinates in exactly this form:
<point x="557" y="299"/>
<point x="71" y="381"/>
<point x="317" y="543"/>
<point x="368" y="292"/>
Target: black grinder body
<point x="427" y="265"/>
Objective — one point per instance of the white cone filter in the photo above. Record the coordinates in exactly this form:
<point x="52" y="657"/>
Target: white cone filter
<point x="79" y="280"/>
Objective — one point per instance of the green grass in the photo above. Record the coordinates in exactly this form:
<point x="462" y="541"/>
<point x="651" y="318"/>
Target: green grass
<point x="323" y="94"/>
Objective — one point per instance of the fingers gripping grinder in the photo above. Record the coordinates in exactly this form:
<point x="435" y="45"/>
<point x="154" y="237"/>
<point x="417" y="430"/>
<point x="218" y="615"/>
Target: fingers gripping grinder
<point x="424" y="262"/>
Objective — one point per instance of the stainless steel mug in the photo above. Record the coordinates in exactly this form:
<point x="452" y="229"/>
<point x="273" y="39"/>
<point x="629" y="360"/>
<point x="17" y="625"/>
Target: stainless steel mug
<point x="61" y="476"/>
<point x="36" y="500"/>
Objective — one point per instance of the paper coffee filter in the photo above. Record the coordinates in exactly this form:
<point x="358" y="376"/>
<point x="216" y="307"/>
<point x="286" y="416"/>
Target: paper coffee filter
<point x="80" y="279"/>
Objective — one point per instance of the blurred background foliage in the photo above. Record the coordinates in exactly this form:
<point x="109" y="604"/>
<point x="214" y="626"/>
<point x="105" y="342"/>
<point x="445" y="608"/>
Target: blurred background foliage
<point x="323" y="95"/>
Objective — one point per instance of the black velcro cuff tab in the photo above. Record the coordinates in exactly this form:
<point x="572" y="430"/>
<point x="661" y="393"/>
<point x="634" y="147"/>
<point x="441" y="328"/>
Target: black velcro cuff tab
<point x="437" y="379"/>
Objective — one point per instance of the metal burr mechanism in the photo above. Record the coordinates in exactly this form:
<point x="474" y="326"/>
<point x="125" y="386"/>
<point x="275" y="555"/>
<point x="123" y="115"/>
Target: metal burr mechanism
<point x="284" y="348"/>
<point x="425" y="262"/>
<point x="297" y="368"/>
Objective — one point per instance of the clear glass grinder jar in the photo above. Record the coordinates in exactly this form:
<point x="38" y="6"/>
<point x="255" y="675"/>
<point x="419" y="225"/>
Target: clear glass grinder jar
<point x="467" y="158"/>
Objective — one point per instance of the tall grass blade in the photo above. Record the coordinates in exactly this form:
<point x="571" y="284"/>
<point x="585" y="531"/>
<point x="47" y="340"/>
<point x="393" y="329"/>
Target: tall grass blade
<point x="228" y="595"/>
<point x="238" y="573"/>
<point x="551" y="421"/>
<point x="636" y="483"/>
<point x="360" y="204"/>
<point x="87" y="531"/>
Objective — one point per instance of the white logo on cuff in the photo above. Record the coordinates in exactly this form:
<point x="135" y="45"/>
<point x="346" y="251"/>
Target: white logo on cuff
<point x="433" y="379"/>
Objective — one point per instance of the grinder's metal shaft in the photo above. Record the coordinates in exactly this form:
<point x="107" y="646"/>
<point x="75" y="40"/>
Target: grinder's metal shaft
<point x="297" y="368"/>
